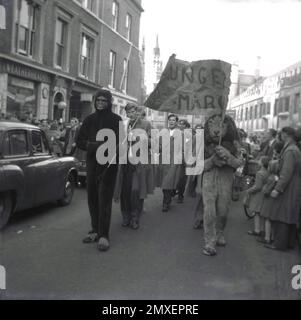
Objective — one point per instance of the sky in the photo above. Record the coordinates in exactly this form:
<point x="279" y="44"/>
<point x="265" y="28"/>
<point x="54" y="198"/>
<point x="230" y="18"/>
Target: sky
<point x="229" y="30"/>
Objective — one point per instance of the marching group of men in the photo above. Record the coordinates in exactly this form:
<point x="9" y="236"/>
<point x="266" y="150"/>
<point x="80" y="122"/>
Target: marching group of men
<point x="129" y="184"/>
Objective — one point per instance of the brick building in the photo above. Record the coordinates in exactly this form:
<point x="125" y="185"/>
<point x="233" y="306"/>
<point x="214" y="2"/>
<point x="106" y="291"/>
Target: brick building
<point x="54" y="55"/>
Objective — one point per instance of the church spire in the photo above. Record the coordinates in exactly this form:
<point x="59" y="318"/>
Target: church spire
<point x="157" y="48"/>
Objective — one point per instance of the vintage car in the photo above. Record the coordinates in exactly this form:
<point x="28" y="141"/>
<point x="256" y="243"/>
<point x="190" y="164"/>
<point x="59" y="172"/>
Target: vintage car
<point x="81" y="166"/>
<point x="30" y="174"/>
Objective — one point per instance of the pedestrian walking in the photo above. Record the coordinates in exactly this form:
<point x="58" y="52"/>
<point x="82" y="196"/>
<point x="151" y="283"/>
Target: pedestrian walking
<point x="221" y="160"/>
<point x="170" y="174"/>
<point x="183" y="124"/>
<point x="134" y="181"/>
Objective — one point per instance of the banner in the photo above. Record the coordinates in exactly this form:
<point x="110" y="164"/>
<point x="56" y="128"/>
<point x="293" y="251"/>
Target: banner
<point x="192" y="88"/>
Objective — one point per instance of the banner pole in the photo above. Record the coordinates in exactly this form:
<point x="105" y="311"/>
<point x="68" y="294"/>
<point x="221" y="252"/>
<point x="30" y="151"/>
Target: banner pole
<point x="221" y="127"/>
<point x="126" y="69"/>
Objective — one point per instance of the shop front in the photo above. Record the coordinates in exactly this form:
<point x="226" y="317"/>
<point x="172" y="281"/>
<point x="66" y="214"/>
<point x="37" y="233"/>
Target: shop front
<point x="23" y="92"/>
<point x="21" y="99"/>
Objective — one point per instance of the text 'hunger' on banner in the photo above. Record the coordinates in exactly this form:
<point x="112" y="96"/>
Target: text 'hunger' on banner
<point x="200" y="87"/>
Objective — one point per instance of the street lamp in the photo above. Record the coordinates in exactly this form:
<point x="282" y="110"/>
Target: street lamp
<point x="62" y="105"/>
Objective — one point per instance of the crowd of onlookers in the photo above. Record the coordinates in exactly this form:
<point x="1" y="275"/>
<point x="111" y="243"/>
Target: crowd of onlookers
<point x="61" y="135"/>
<point x="275" y="197"/>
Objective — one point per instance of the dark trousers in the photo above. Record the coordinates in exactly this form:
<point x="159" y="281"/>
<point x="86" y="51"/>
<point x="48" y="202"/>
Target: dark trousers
<point x="167" y="196"/>
<point x="181" y="186"/>
<point x="130" y="202"/>
<point x="100" y="189"/>
<point x="182" y="182"/>
<point x="285" y="235"/>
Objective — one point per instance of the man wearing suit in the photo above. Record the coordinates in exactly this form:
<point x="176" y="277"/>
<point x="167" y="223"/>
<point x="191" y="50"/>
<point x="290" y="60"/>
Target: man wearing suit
<point x="70" y="137"/>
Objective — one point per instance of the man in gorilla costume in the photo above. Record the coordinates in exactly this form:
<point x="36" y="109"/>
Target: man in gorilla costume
<point x="221" y="160"/>
<point x="100" y="178"/>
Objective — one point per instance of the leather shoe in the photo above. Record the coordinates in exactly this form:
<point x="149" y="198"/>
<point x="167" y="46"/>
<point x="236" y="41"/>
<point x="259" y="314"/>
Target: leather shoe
<point x="91" y="237"/>
<point x="180" y="200"/>
<point x="264" y="241"/>
<point x="270" y="246"/>
<point x="165" y="207"/>
<point x="125" y="223"/>
<point x="135" y="225"/>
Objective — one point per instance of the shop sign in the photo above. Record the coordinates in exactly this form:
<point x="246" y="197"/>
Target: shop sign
<point x="23" y="72"/>
<point x="22" y="83"/>
<point x="86" y="97"/>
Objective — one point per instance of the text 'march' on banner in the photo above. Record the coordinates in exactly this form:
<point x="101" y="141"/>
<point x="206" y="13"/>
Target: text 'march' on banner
<point x="192" y="88"/>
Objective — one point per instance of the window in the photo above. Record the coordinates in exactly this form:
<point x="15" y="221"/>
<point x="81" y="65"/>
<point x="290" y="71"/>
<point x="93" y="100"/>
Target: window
<point x="125" y="75"/>
<point x="286" y="104"/>
<point x="276" y="107"/>
<point x="86" y="57"/>
<point x="247" y="114"/>
<point x="112" y="68"/>
<point x="39" y="143"/>
<point x="128" y="26"/>
<point x="2" y="18"/>
<point x="268" y="108"/>
<point x="88" y="4"/>
<point x="256" y="112"/>
<point x="296" y="102"/>
<point x="15" y="144"/>
<point x="260" y="110"/>
<point x="251" y="113"/>
<point x="280" y="106"/>
<point x="61" y="43"/>
<point x="264" y="109"/>
<point x="115" y="13"/>
<point x="241" y="114"/>
<point x="26" y="26"/>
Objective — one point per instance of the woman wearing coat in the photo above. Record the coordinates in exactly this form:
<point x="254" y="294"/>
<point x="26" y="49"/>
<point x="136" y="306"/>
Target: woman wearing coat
<point x="286" y="194"/>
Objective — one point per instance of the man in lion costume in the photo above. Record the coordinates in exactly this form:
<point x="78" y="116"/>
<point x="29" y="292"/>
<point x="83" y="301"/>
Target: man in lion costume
<point x="221" y="160"/>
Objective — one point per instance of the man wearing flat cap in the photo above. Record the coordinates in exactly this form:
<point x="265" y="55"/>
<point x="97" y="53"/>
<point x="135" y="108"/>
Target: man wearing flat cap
<point x="100" y="178"/>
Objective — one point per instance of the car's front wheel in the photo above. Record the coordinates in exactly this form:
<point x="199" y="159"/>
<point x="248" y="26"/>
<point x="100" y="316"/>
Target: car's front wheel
<point x="6" y="207"/>
<point x="68" y="191"/>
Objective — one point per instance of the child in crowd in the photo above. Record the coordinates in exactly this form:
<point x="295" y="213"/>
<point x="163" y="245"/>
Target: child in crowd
<point x="254" y="196"/>
<point x="268" y="201"/>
